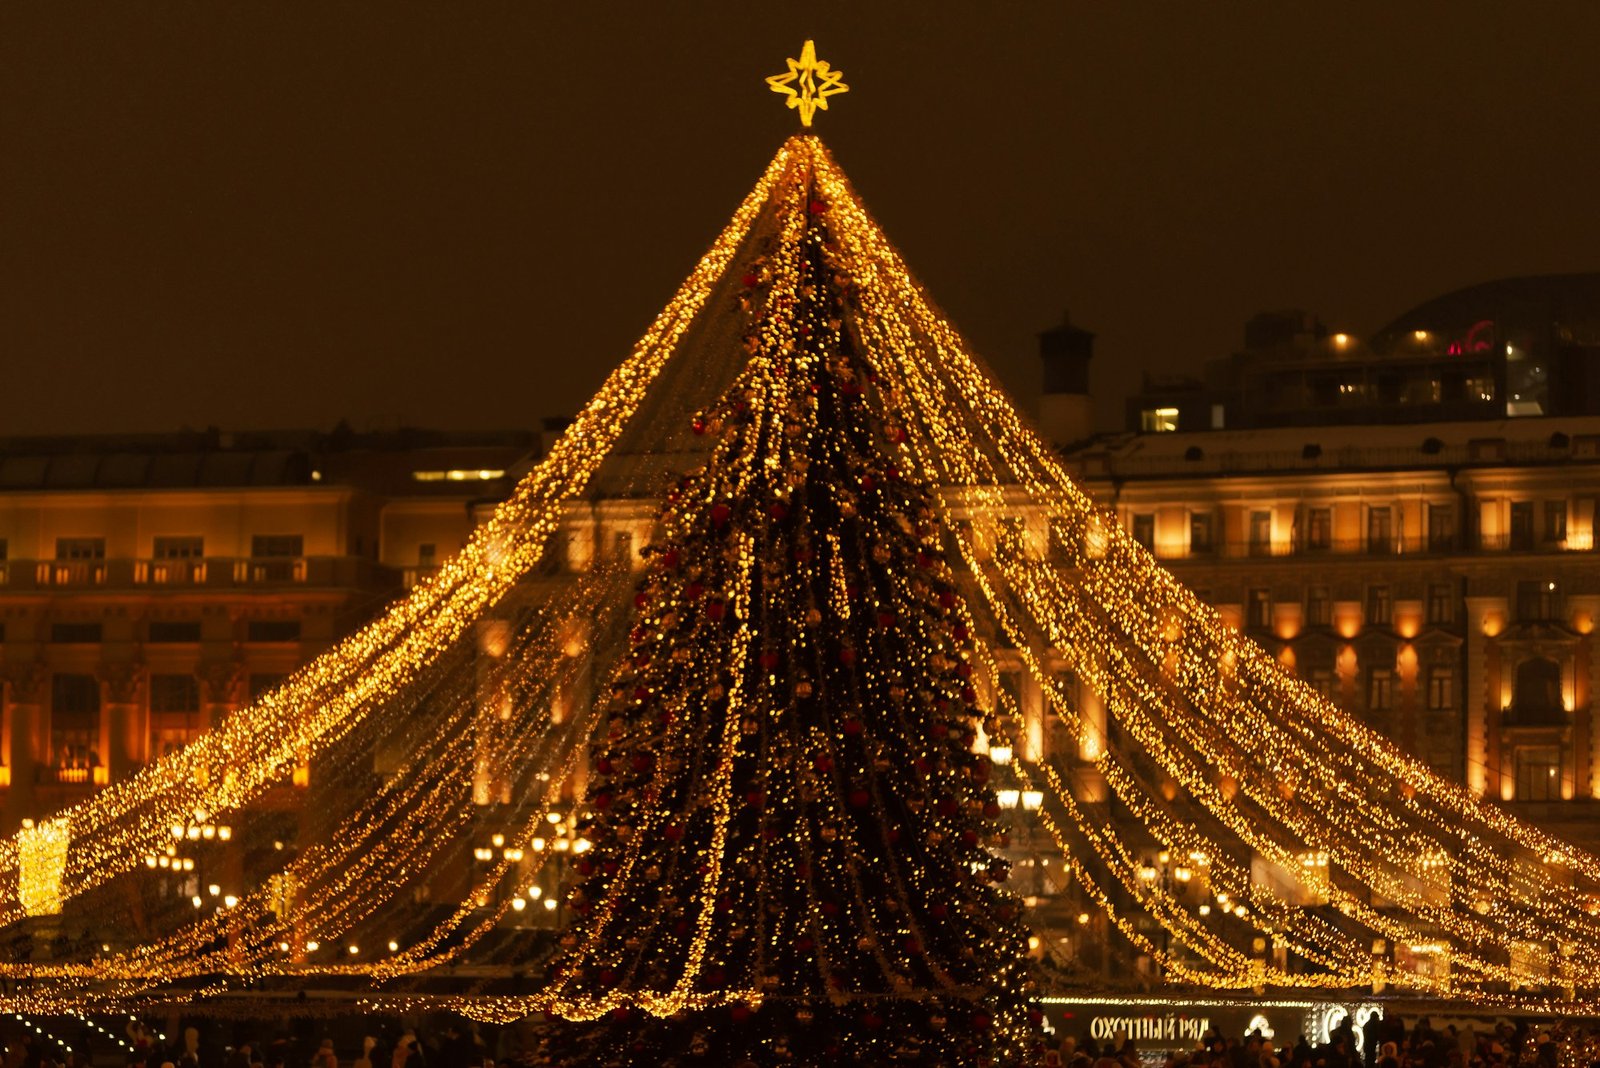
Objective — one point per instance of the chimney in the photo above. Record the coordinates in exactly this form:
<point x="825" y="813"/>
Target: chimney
<point x="1066" y="415"/>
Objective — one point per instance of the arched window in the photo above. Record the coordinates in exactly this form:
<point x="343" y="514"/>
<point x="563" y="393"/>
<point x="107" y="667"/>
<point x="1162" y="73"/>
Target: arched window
<point x="1538" y="693"/>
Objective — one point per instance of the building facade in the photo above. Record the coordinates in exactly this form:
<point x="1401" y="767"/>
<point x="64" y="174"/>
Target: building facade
<point x="1425" y="559"/>
<point x="150" y="585"/>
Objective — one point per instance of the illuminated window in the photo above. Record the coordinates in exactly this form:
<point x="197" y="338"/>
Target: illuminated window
<point x="80" y="548"/>
<point x="1380" y="689"/>
<point x="1144" y="530"/>
<point x="1319" y="609"/>
<point x="1538" y="692"/>
<point x="1260" y="533"/>
<point x="1538" y="773"/>
<point x="1441" y="528"/>
<point x="277" y="545"/>
<point x="75" y="722"/>
<point x="276" y="556"/>
<point x="1319" y="528"/>
<point x="1555" y="520"/>
<point x="1522" y="524"/>
<point x="1158" y="420"/>
<point x="1538" y="601"/>
<point x="1260" y="608"/>
<point x="1441" y="604"/>
<point x="174" y="712"/>
<point x="1200" y="530"/>
<point x="1380" y="606"/>
<point x="1441" y="689"/>
<point x="179" y="548"/>
<point x="1380" y="530"/>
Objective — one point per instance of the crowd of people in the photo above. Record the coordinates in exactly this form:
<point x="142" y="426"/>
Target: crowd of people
<point x="1381" y="1043"/>
<point x="226" y="1045"/>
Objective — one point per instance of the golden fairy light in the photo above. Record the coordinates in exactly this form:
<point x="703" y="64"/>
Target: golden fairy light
<point x="1225" y="760"/>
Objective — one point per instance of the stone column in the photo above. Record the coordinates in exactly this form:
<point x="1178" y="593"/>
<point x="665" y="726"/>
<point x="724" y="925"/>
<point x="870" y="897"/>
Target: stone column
<point x="1585" y="609"/>
<point x="1484" y="614"/>
<point x="222" y="691"/>
<point x="28" y="738"/>
<point x="489" y="784"/>
<point x="124" y="724"/>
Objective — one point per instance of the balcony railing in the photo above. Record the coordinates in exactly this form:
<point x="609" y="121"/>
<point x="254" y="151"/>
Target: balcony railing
<point x="70" y="573"/>
<point x="75" y="775"/>
<point x="1411" y="546"/>
<point x="339" y="572"/>
<point x="269" y="569"/>
<point x="1347" y="458"/>
<point x="182" y="572"/>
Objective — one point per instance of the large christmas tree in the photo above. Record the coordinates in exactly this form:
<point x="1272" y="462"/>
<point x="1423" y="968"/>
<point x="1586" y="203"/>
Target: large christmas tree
<point x="795" y="858"/>
<point x="791" y="826"/>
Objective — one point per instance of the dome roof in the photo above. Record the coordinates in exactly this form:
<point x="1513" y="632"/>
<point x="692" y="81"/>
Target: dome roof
<point x="1562" y="308"/>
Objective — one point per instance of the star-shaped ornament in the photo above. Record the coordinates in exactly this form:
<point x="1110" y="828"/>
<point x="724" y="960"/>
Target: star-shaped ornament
<point x="809" y="83"/>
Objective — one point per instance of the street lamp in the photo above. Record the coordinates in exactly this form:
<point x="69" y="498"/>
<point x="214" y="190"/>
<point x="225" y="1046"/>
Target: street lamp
<point x="197" y="833"/>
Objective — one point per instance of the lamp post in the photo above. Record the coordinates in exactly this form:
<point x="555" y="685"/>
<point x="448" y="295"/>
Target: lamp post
<point x="187" y="858"/>
<point x="560" y="841"/>
<point x="1168" y="876"/>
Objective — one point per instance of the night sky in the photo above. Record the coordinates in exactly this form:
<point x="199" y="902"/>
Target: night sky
<point x="461" y="215"/>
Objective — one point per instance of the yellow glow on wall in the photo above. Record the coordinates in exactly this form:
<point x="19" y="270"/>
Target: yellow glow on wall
<point x="1347" y="620"/>
<point x="1405" y="661"/>
<point x="1346" y="664"/>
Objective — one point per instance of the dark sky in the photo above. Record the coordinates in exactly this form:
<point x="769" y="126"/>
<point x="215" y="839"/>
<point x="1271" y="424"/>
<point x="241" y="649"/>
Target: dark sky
<point x="461" y="215"/>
